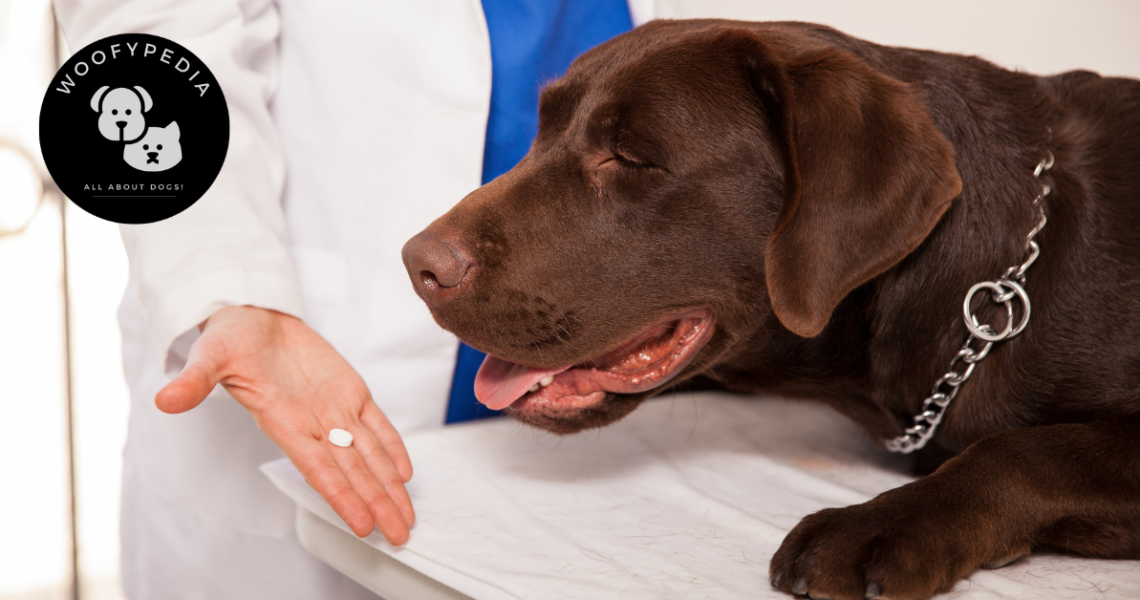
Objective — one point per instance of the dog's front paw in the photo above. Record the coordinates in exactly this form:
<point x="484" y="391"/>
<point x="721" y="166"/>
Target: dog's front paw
<point x="890" y="548"/>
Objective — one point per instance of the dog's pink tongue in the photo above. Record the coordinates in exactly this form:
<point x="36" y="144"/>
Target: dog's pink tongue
<point x="499" y="383"/>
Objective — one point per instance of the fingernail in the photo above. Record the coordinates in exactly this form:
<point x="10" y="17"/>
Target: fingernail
<point x="799" y="588"/>
<point x="874" y="591"/>
<point x="776" y="580"/>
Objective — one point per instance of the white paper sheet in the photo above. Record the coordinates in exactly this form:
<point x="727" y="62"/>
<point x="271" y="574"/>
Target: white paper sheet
<point x="688" y="497"/>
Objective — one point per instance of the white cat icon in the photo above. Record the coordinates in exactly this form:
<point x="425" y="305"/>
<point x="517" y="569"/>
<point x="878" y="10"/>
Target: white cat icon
<point x="158" y="150"/>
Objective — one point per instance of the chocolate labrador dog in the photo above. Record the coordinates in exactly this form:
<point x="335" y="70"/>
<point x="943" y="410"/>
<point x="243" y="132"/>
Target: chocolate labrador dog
<point x="782" y="208"/>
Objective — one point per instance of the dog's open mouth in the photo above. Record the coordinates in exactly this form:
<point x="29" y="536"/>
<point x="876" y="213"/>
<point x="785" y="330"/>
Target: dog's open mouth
<point x="647" y="361"/>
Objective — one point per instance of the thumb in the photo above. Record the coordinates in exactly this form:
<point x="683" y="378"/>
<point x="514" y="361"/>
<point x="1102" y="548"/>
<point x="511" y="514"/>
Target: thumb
<point x="192" y="385"/>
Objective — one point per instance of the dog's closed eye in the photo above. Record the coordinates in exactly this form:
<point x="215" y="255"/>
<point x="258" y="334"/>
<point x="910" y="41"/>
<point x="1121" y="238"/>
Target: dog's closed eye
<point x="618" y="160"/>
<point x="628" y="161"/>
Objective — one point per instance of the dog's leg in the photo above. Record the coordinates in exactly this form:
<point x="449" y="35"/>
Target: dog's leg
<point x="1073" y="489"/>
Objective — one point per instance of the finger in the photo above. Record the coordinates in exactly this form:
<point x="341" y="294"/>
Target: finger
<point x="373" y="418"/>
<point x="380" y="464"/>
<point x="384" y="511"/>
<point x="324" y="475"/>
<point x="191" y="387"/>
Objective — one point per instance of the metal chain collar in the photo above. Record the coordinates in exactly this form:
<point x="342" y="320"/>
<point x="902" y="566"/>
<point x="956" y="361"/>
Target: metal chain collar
<point x="1002" y="291"/>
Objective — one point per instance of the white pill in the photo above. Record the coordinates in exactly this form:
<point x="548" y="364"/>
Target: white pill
<point x="340" y="437"/>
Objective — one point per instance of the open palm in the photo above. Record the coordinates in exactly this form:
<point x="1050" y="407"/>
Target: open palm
<point x="298" y="388"/>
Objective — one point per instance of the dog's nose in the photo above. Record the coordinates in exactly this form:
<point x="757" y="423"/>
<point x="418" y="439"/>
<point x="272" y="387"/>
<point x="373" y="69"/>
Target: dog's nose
<point x="436" y="265"/>
<point x="121" y="124"/>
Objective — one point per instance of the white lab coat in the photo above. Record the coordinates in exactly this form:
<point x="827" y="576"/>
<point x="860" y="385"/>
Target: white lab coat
<point x="353" y="125"/>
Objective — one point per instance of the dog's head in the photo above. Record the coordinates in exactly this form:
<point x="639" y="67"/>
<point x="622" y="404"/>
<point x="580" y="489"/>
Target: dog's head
<point x="689" y="181"/>
<point x="121" y="111"/>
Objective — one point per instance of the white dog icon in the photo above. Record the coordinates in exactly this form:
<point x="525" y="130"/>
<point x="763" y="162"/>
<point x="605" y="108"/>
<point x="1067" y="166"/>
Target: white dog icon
<point x="121" y="112"/>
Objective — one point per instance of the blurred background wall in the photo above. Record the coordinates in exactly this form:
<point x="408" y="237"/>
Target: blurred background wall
<point x="43" y="323"/>
<point x="59" y="335"/>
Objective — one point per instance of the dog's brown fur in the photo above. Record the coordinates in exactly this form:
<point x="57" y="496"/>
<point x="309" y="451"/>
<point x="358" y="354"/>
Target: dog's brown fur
<point x="831" y="200"/>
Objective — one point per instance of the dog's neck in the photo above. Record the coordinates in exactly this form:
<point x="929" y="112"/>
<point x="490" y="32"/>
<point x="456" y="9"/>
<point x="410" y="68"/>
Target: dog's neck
<point x="892" y="338"/>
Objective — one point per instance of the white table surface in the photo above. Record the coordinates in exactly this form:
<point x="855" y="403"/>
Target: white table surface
<point x="688" y="497"/>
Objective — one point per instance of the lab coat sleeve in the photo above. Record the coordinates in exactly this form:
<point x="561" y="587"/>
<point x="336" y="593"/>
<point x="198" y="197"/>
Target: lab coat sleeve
<point x="229" y="248"/>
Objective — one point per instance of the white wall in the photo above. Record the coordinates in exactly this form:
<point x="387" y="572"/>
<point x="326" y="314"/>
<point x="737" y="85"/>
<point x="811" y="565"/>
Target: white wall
<point x="1039" y="36"/>
<point x="35" y="521"/>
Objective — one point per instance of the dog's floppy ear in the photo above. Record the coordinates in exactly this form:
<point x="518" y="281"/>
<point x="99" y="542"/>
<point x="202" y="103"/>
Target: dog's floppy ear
<point x="867" y="174"/>
<point x="98" y="97"/>
<point x="147" y="102"/>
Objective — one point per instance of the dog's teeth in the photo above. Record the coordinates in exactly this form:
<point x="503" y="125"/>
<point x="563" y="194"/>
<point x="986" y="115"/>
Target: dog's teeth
<point x="545" y="381"/>
<point x="534" y="388"/>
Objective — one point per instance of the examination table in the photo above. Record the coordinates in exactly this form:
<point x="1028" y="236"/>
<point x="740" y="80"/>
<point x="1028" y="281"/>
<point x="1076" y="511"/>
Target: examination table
<point x="688" y="497"/>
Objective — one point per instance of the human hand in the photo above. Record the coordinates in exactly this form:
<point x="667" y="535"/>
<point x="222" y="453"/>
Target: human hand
<point x="298" y="388"/>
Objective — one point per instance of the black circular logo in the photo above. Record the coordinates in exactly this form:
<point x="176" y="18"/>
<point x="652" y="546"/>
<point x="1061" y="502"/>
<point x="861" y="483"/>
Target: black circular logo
<point x="134" y="128"/>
